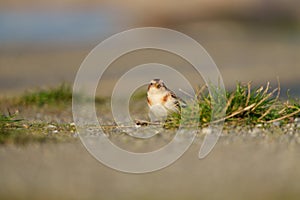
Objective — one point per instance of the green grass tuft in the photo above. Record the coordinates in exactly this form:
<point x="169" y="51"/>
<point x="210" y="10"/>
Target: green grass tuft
<point x="9" y="126"/>
<point x="250" y="106"/>
<point x="53" y="96"/>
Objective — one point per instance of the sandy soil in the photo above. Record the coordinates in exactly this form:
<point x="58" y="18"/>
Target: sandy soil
<point x="240" y="167"/>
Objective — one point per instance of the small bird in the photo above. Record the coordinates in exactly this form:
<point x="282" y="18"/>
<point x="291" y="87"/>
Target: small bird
<point x="162" y="101"/>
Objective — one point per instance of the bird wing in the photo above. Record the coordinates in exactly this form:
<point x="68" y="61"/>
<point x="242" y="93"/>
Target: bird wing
<point x="180" y="100"/>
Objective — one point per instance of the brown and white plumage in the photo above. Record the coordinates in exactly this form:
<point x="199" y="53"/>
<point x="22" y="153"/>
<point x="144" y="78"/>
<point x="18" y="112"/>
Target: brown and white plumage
<point x="162" y="101"/>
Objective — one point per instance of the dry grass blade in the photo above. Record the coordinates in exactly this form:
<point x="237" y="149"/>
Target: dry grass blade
<point x="200" y="91"/>
<point x="282" y="110"/>
<point x="259" y="89"/>
<point x="240" y="111"/>
<point x="249" y="93"/>
<point x="264" y="99"/>
<point x="284" y="117"/>
<point x="267" y="88"/>
<point x="235" y="113"/>
<point x="271" y="107"/>
<point x="229" y="100"/>
<point x="140" y="122"/>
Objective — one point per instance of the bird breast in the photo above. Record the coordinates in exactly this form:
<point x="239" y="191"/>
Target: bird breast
<point x="156" y="98"/>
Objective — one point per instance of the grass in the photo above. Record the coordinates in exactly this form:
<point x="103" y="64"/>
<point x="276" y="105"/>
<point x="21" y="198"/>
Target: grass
<point x="60" y="95"/>
<point x="18" y="131"/>
<point x="21" y="131"/>
<point x="8" y="122"/>
<point x="52" y="96"/>
<point x="9" y="127"/>
<point x="244" y="106"/>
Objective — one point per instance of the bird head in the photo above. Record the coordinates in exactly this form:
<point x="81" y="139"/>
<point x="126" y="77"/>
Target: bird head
<point x="156" y="85"/>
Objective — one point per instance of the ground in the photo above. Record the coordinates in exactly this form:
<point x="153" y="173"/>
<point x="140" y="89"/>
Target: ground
<point x="50" y="162"/>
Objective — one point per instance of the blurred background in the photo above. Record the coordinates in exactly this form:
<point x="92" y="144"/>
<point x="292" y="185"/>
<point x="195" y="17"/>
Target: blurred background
<point x="43" y="43"/>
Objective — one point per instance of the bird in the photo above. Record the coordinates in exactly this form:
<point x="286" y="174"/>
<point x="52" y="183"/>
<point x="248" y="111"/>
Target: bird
<point x="162" y="101"/>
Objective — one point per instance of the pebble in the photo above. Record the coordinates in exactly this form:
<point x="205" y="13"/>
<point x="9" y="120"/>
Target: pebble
<point x="50" y="126"/>
<point x="75" y="135"/>
<point x="297" y="122"/>
<point x="277" y="123"/>
<point x="206" y="130"/>
<point x="26" y="126"/>
<point x="259" y="125"/>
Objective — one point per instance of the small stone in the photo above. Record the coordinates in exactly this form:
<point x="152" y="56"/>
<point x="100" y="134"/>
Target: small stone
<point x="50" y="126"/>
<point x="277" y="123"/>
<point x="206" y="130"/>
<point x="297" y="122"/>
<point x="26" y="126"/>
<point x="75" y="135"/>
<point x="259" y="125"/>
